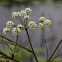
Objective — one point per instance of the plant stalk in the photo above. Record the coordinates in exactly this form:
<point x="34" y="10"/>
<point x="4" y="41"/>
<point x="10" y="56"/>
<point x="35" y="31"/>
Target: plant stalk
<point x="46" y="49"/>
<point x="54" y="51"/>
<point x="16" y="44"/>
<point x="31" y="45"/>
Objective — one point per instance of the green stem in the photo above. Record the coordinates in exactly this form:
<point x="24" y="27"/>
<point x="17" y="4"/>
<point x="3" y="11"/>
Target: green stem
<point x="3" y="45"/>
<point x="31" y="45"/>
<point x="46" y="49"/>
<point x="54" y="58"/>
<point x="21" y="20"/>
<point x="16" y="43"/>
<point x="3" y="42"/>
<point x="9" y="47"/>
<point x="18" y="19"/>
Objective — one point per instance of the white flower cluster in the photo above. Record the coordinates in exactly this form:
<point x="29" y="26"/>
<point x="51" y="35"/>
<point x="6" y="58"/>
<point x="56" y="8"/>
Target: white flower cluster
<point x="28" y="10"/>
<point x="17" y="29"/>
<point x="45" y="22"/>
<point x="42" y="19"/>
<point x="5" y="30"/>
<point x="14" y="31"/>
<point x="26" y="17"/>
<point x="32" y="25"/>
<point x="9" y="24"/>
<point x="20" y="27"/>
<point x="21" y="13"/>
<point x="14" y="14"/>
<point x="41" y="26"/>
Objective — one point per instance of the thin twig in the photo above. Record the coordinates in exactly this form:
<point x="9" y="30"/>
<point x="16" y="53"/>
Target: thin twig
<point x="8" y="57"/>
<point x="21" y="20"/>
<point x="54" y="51"/>
<point x="18" y="19"/>
<point x="17" y="43"/>
<point x="54" y="58"/>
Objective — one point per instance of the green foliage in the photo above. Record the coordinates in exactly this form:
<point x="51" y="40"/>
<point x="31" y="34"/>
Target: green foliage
<point x="22" y="54"/>
<point x="58" y="60"/>
<point x="18" y="55"/>
<point x="11" y="2"/>
<point x="38" y="49"/>
<point x="2" y="60"/>
<point x="41" y="59"/>
<point x="57" y="0"/>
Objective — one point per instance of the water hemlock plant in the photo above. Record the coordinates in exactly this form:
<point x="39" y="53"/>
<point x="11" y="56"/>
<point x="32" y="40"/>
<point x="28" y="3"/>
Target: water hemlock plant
<point x="24" y="24"/>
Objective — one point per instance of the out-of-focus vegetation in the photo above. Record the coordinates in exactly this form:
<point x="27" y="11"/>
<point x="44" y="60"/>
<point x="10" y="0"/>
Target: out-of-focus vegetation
<point x="22" y="54"/>
<point x="25" y="2"/>
<point x="11" y="2"/>
<point x="57" y="0"/>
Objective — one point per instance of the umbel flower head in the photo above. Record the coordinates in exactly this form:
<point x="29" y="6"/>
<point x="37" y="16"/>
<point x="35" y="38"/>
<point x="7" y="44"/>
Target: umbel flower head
<point x="47" y="22"/>
<point x="20" y="27"/>
<point x="17" y="29"/>
<point x="14" y="31"/>
<point x="5" y="30"/>
<point x="22" y="13"/>
<point x="28" y="10"/>
<point x="42" y="19"/>
<point x="43" y="22"/>
<point x="9" y="23"/>
<point x="32" y="25"/>
<point x="41" y="26"/>
<point x="14" y="14"/>
<point x="26" y="17"/>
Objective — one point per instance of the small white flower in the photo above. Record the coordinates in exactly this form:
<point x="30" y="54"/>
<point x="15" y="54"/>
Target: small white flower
<point x="5" y="30"/>
<point x="22" y="13"/>
<point x="26" y="17"/>
<point x="28" y="10"/>
<point x="47" y="22"/>
<point x="14" y="31"/>
<point x="20" y="27"/>
<point x="19" y="30"/>
<point x="42" y="19"/>
<point x="32" y="25"/>
<point x="41" y="26"/>
<point x="9" y="23"/>
<point x="14" y="14"/>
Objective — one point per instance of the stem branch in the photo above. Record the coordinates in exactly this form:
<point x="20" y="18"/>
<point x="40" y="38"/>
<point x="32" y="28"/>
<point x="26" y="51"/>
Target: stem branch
<point x="8" y="57"/>
<point x="17" y="43"/>
<point x="54" y="51"/>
